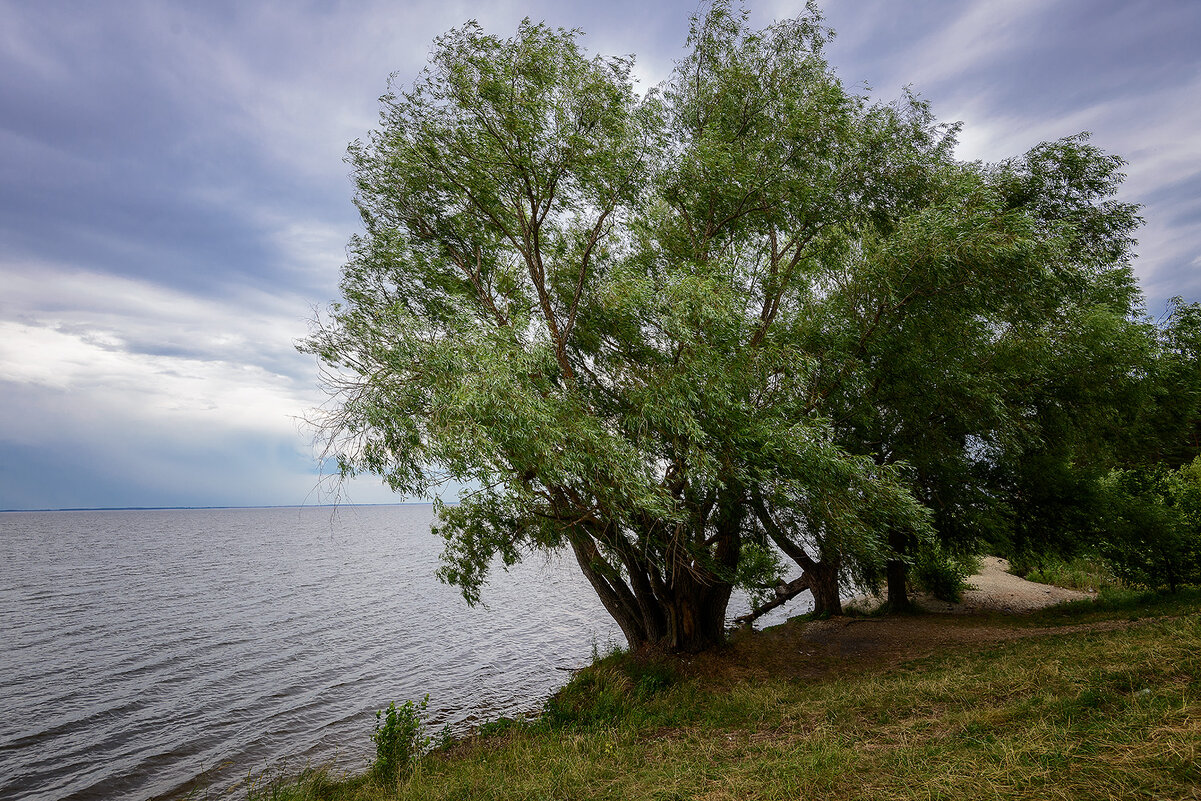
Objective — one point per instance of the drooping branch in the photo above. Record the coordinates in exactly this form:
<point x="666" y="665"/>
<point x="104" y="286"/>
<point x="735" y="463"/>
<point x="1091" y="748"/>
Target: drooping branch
<point x="791" y="549"/>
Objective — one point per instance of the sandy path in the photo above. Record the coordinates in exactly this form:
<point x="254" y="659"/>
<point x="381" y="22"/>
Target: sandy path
<point x="994" y="589"/>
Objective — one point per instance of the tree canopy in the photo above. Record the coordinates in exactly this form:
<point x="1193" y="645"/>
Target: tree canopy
<point x="744" y="314"/>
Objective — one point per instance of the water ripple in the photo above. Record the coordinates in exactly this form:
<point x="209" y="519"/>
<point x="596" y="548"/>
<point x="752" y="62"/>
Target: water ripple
<point x="149" y="652"/>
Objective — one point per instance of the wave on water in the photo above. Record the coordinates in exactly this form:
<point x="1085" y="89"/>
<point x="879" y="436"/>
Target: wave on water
<point x="148" y="652"/>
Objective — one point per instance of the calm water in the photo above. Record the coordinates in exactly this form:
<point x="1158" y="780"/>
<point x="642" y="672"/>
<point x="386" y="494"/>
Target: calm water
<point x="145" y="653"/>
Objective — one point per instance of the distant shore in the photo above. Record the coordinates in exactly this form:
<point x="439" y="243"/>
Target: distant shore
<point x="204" y="508"/>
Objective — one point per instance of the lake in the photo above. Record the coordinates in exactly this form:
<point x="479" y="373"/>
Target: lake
<point x="148" y="653"/>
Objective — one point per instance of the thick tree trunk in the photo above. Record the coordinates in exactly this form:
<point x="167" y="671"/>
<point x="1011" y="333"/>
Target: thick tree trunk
<point x="699" y="592"/>
<point x="823" y="581"/>
<point x="690" y="619"/>
<point x="697" y="618"/>
<point x="672" y="597"/>
<point x="898" y="593"/>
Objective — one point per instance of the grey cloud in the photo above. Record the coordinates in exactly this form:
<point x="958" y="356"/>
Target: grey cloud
<point x="195" y="149"/>
<point x="1077" y="54"/>
<point x="1177" y="203"/>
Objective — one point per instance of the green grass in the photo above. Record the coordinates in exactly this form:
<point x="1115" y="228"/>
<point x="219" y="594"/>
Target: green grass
<point x="1121" y="603"/>
<point x="1077" y="573"/>
<point x="1105" y="714"/>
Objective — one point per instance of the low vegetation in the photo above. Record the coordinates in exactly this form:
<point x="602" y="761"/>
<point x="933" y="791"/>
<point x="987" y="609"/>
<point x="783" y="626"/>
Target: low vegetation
<point x="1077" y="573"/>
<point x="1089" y="700"/>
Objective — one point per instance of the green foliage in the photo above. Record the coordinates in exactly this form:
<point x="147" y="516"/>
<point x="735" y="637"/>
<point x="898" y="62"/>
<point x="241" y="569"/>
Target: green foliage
<point x="1130" y="400"/>
<point x="747" y="307"/>
<point x="760" y="569"/>
<point x="1120" y="602"/>
<point x="1077" y="573"/>
<point x="1169" y="428"/>
<point x="941" y="574"/>
<point x="400" y="739"/>
<point x="1151" y="532"/>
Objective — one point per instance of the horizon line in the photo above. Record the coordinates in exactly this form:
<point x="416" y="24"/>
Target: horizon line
<point x="203" y="508"/>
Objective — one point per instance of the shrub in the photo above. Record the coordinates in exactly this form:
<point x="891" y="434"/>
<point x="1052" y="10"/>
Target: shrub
<point x="941" y="574"/>
<point x="400" y="739"/>
<point x="1080" y="572"/>
<point x="1151" y="530"/>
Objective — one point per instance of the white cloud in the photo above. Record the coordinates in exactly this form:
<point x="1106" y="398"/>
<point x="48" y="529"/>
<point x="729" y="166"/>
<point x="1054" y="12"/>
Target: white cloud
<point x="171" y="389"/>
<point x="982" y="30"/>
<point x="146" y="352"/>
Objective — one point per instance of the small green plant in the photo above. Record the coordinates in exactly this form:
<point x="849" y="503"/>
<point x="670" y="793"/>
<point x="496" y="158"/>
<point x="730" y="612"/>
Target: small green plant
<point x="400" y="739"/>
<point x="502" y="726"/>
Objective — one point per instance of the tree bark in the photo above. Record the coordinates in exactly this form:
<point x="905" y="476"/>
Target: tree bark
<point x="898" y="574"/>
<point x="697" y="617"/>
<point x="823" y="581"/>
<point x="618" y="607"/>
<point x="682" y="611"/>
<point x="784" y="594"/>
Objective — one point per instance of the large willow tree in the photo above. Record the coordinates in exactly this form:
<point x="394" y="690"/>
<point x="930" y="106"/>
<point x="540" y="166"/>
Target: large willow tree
<point x="649" y="329"/>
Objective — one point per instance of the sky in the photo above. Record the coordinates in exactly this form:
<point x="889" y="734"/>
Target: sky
<point x="174" y="204"/>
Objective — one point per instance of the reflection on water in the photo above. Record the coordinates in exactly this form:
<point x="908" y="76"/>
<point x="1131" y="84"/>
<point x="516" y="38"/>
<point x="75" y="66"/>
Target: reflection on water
<point x="144" y="650"/>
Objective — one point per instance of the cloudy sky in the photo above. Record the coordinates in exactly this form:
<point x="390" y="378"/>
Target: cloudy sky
<point x="174" y="204"/>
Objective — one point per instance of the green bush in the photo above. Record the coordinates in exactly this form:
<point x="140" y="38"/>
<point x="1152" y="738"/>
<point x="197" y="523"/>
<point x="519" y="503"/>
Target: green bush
<point x="1151" y="529"/>
<point x="400" y="739"/>
<point x="1080" y="572"/>
<point x="941" y="574"/>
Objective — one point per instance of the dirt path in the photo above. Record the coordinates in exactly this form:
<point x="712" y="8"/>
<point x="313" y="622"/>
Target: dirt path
<point x="990" y="612"/>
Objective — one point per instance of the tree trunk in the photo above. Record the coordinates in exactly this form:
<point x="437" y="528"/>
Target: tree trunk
<point x="690" y="619"/>
<point x="696" y="623"/>
<point x="675" y="601"/>
<point x="898" y="574"/>
<point x="823" y="582"/>
<point x="622" y="609"/>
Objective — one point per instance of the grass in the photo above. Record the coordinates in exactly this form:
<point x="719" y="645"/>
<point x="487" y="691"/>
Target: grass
<point x="1077" y="573"/>
<point x="1109" y="712"/>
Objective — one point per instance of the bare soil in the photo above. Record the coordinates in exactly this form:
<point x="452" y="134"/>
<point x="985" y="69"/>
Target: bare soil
<point x="991" y="612"/>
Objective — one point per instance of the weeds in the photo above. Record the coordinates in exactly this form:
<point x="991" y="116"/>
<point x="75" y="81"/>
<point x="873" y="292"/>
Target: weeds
<point x="400" y="739"/>
<point x="1078" y="573"/>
